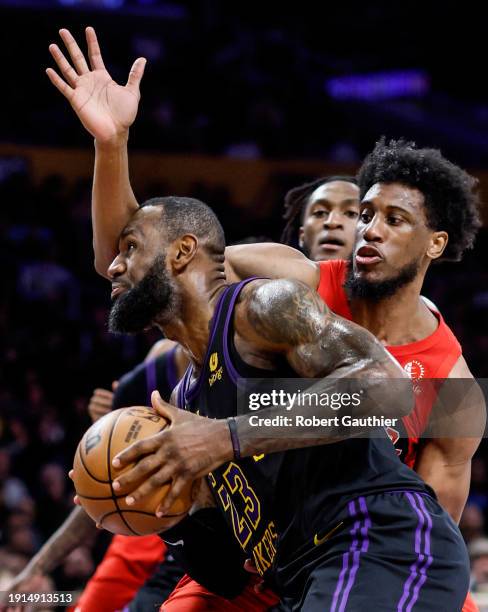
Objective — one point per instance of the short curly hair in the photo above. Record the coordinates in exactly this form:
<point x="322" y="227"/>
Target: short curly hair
<point x="450" y="193"/>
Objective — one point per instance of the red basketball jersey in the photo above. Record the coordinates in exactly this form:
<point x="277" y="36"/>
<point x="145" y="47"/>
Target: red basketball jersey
<point x="430" y="358"/>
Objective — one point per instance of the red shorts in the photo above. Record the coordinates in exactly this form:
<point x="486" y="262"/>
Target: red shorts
<point x="469" y="604"/>
<point x="191" y="597"/>
<point x="127" y="564"/>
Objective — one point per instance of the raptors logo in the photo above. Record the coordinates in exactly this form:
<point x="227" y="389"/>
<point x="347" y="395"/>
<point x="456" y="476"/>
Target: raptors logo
<point x="414" y="369"/>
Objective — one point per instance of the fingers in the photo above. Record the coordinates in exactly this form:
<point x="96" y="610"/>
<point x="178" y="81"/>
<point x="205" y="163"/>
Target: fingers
<point x="166" y="410"/>
<point x="76" y="500"/>
<point x="135" y="75"/>
<point x="154" y="483"/>
<point x="103" y="394"/>
<point x="100" y="403"/>
<point x="102" y="398"/>
<point x="115" y="384"/>
<point x="140" y="472"/>
<point x="94" y="53"/>
<point x="74" y="51"/>
<point x="136" y="451"/>
<point x="64" y="66"/>
<point x="172" y="495"/>
<point x="70" y="474"/>
<point x="58" y="82"/>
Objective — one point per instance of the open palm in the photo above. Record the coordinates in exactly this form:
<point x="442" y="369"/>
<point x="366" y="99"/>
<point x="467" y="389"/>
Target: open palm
<point x="106" y="109"/>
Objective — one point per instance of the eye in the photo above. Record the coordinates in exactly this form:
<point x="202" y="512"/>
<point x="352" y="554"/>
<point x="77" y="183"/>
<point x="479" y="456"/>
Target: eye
<point x="131" y="246"/>
<point x="393" y="220"/>
<point x="365" y="216"/>
<point x="319" y="213"/>
<point x="351" y="214"/>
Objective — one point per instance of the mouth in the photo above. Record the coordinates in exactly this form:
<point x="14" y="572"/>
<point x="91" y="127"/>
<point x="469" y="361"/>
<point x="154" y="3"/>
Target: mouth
<point x="117" y="289"/>
<point x="331" y="243"/>
<point x="368" y="255"/>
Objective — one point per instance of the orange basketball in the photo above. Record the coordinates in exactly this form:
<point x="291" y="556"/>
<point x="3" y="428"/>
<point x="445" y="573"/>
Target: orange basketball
<point x="94" y="474"/>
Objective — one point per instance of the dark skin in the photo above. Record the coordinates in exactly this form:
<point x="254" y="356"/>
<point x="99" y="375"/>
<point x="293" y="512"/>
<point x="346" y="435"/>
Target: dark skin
<point x="272" y="319"/>
<point x="329" y="221"/>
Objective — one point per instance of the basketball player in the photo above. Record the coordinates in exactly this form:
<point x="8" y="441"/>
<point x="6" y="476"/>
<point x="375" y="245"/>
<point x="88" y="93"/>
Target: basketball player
<point x="329" y="210"/>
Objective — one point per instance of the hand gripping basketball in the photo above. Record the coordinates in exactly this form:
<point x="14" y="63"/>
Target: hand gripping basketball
<point x="191" y="447"/>
<point x="94" y="475"/>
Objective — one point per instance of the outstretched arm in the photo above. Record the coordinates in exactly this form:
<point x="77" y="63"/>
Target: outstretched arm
<point x="106" y="110"/>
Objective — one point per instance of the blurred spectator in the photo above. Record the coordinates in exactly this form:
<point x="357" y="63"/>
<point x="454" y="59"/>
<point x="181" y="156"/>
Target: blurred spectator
<point x="478" y="554"/>
<point x="472" y="523"/>
<point x="12" y="490"/>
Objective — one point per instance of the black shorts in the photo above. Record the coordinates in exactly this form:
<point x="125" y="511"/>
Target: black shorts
<point x="392" y="552"/>
<point x="158" y="587"/>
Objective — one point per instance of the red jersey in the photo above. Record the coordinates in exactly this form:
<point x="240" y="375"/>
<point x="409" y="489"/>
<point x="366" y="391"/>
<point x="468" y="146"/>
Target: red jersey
<point x="432" y="357"/>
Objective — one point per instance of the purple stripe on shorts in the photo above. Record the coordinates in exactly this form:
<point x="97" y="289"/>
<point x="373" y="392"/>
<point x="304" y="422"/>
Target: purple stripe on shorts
<point x="420" y="566"/>
<point x="357" y="553"/>
<point x="428" y="557"/>
<point x="345" y="557"/>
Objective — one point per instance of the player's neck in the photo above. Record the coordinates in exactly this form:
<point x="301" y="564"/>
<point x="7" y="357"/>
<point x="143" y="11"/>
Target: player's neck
<point x="191" y="327"/>
<point x="400" y="319"/>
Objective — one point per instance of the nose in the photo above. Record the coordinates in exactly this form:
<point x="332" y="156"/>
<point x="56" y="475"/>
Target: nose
<point x="333" y="220"/>
<point x="373" y="232"/>
<point x="116" y="268"/>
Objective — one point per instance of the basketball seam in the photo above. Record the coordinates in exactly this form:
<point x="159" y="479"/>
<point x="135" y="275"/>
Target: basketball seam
<point x="95" y="498"/>
<point x="88" y="471"/>
<point x="109" y="468"/>
<point x="145" y="513"/>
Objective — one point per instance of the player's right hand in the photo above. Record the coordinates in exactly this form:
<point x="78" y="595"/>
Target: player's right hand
<point x="100" y="403"/>
<point x="106" y="109"/>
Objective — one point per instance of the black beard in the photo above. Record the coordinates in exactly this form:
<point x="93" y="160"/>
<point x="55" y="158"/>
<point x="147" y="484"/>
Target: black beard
<point x="375" y="291"/>
<point x="153" y="297"/>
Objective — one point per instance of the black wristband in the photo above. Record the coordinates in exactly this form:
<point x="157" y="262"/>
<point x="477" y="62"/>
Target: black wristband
<point x="236" y="447"/>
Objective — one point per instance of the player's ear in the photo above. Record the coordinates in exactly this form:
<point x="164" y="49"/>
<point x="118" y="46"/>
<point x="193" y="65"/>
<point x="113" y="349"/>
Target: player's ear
<point x="184" y="250"/>
<point x="300" y="236"/>
<point x="437" y="244"/>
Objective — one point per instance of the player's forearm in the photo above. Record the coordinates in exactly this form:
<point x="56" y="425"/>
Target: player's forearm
<point x="373" y="396"/>
<point x="270" y="260"/>
<point x="449" y="476"/>
<point x="72" y="533"/>
<point x="113" y="201"/>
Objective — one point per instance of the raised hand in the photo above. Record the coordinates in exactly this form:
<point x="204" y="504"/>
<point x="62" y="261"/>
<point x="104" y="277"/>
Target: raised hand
<point x="100" y="403"/>
<point x="106" y="109"/>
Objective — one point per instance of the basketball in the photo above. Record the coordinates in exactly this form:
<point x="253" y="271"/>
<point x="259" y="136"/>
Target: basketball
<point x="94" y="474"/>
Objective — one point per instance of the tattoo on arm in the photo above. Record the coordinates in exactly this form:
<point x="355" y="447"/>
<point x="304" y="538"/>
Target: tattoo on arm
<point x="286" y="312"/>
<point x="293" y="320"/>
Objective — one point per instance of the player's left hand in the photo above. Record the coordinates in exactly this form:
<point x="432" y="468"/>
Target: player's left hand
<point x="189" y="448"/>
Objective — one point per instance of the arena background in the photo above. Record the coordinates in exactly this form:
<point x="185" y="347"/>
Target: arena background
<point x="238" y="105"/>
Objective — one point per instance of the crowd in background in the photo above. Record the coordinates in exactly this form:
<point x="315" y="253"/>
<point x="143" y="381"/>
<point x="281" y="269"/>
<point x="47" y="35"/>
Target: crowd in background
<point x="232" y="80"/>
